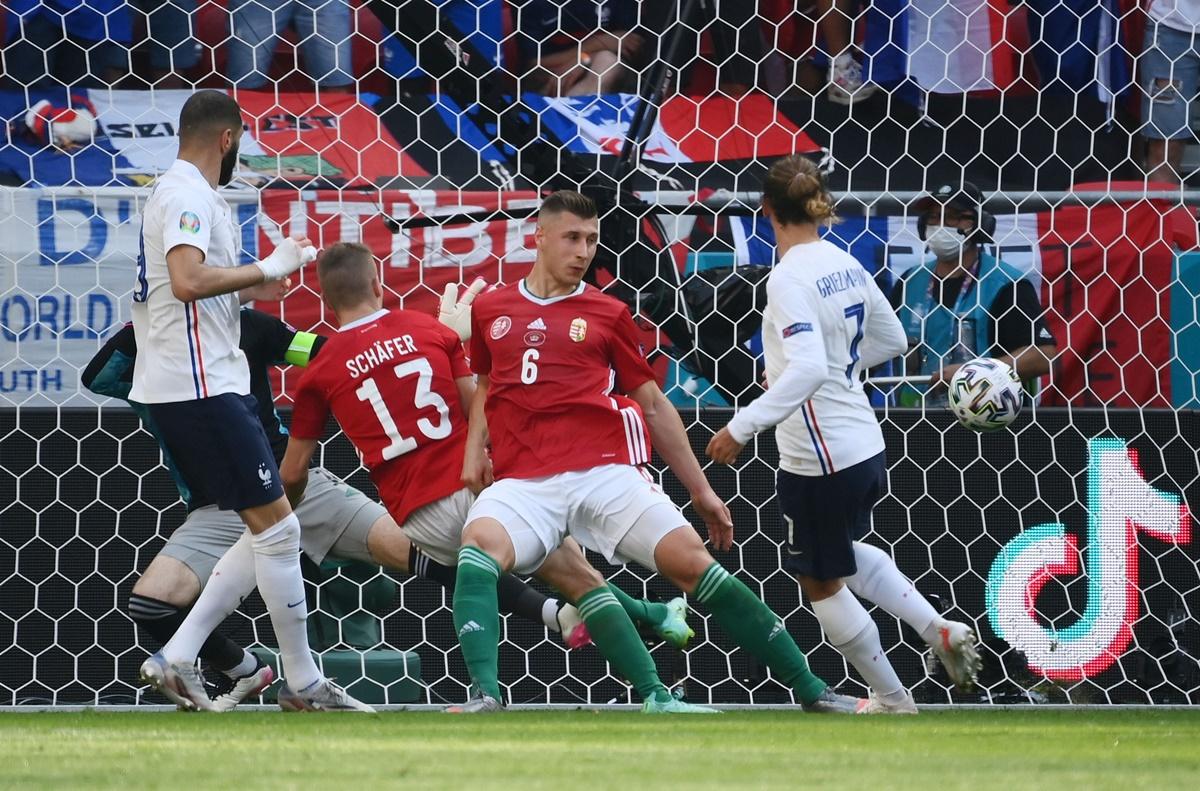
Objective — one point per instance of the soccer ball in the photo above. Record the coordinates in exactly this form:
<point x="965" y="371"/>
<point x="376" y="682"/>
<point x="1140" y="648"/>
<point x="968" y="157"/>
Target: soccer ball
<point x="985" y="394"/>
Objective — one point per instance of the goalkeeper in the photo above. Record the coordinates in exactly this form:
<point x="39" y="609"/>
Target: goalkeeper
<point x="824" y="323"/>
<point x="335" y="519"/>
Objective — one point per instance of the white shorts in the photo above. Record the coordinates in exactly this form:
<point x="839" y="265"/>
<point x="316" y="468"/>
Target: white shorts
<point x="437" y="528"/>
<point x="616" y="510"/>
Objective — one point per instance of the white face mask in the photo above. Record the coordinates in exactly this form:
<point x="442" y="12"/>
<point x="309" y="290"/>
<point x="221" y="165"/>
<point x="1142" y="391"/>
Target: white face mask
<point x="945" y="242"/>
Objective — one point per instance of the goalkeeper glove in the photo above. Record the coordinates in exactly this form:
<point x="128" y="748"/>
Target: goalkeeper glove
<point x="286" y="259"/>
<point x="456" y="313"/>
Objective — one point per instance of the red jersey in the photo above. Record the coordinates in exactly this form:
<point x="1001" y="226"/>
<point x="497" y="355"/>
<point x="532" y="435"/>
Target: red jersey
<point x="388" y="378"/>
<point x="554" y="365"/>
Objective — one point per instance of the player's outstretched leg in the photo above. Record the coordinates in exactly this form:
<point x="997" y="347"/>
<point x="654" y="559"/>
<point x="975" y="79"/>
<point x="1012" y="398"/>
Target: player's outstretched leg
<point x="170" y="585"/>
<point x="611" y="628"/>
<point x="277" y="569"/>
<point x="669" y="621"/>
<point x="172" y="671"/>
<point x="879" y="581"/>
<point x="388" y="545"/>
<point x="681" y="557"/>
<point x="242" y="674"/>
<point x="487" y="552"/>
<point x="848" y="628"/>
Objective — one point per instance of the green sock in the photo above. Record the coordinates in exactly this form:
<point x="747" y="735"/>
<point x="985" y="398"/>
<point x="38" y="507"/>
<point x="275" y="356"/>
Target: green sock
<point x="618" y="641"/>
<point x="477" y="617"/>
<point x="754" y="627"/>
<point x="639" y="610"/>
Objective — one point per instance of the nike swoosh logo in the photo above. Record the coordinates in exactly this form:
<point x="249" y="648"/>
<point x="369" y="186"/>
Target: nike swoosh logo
<point x="297" y="604"/>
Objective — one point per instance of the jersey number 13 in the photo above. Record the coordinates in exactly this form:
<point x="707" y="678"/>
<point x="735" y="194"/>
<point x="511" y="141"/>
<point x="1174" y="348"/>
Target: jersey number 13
<point x="423" y="398"/>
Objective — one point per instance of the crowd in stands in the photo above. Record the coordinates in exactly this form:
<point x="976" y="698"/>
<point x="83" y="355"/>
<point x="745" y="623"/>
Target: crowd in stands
<point x="847" y="50"/>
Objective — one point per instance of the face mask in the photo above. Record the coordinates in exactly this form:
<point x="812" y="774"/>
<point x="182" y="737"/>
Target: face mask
<point x="944" y="242"/>
<point x="228" y="163"/>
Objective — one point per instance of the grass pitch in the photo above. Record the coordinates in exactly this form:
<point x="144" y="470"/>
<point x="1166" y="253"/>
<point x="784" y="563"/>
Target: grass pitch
<point x="935" y="751"/>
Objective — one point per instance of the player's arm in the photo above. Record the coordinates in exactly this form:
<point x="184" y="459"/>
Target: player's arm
<point x="294" y="468"/>
<point x="278" y="341"/>
<point x="477" y="468"/>
<point x="110" y="372"/>
<point x="1023" y="340"/>
<point x="187" y="231"/>
<point x="671" y="440"/>
<point x="466" y="394"/>
<point x="310" y="413"/>
<point x="806" y="367"/>
<point x="192" y="279"/>
<point x="267" y="291"/>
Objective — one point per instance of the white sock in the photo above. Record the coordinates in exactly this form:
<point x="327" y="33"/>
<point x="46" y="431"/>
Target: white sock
<point x="245" y="667"/>
<point x="880" y="582"/>
<point x="550" y="614"/>
<point x="850" y="630"/>
<point x="232" y="580"/>
<point x="277" y="565"/>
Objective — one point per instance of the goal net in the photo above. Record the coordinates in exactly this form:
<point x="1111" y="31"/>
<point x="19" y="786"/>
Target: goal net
<point x="428" y="129"/>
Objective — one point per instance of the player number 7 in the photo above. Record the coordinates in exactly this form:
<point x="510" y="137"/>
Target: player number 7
<point x="423" y="398"/>
<point x="856" y="312"/>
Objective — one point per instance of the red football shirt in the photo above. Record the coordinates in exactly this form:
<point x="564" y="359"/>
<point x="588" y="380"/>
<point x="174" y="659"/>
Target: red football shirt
<point x="389" y="381"/>
<point x="554" y="366"/>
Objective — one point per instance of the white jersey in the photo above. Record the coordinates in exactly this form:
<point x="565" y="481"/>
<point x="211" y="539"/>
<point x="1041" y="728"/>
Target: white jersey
<point x="826" y="320"/>
<point x="1178" y="14"/>
<point x="185" y="350"/>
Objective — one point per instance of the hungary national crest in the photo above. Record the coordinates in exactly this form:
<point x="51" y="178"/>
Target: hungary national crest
<point x="578" y="329"/>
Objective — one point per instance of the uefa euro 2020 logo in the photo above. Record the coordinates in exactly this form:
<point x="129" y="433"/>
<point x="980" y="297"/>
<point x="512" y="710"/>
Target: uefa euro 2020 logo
<point x="1121" y="504"/>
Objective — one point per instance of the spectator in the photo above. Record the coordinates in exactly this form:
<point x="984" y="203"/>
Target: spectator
<point x="171" y="46"/>
<point x="835" y="20"/>
<point x="579" y="47"/>
<point x="1170" y="67"/>
<point x="322" y="26"/>
<point x="965" y="303"/>
<point x="76" y="43"/>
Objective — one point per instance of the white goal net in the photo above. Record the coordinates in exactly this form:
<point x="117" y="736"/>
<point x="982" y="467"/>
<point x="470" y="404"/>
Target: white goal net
<point x="427" y="129"/>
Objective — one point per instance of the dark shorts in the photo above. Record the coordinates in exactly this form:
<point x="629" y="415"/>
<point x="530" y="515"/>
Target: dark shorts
<point x="824" y="515"/>
<point x="220" y="449"/>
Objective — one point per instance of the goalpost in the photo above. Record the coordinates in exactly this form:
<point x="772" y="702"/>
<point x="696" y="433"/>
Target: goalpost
<point x="1066" y="540"/>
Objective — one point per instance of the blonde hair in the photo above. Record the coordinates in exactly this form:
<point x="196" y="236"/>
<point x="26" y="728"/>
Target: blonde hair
<point x="796" y="192"/>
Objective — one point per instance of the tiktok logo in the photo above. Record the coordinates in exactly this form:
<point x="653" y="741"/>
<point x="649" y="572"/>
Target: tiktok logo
<point x="1120" y="505"/>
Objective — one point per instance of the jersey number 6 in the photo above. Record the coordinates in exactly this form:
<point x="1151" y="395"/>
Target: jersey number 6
<point x="529" y="370"/>
<point x="425" y="397"/>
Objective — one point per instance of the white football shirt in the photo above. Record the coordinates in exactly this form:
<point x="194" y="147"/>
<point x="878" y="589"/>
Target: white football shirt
<point x="825" y="321"/>
<point x="187" y="350"/>
<point x="1182" y="15"/>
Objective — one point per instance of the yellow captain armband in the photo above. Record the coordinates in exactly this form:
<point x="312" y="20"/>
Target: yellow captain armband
<point x="300" y="349"/>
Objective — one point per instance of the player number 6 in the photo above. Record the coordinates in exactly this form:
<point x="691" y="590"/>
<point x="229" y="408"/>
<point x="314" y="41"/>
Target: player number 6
<point x="529" y="369"/>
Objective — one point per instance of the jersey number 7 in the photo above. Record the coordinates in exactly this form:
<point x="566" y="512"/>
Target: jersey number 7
<point x="425" y="397"/>
<point x="858" y="313"/>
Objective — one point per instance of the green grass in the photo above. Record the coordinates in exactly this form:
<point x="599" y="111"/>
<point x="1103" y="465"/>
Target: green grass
<point x="935" y="751"/>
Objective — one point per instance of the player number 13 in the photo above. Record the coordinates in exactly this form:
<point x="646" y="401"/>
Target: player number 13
<point x="424" y="397"/>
